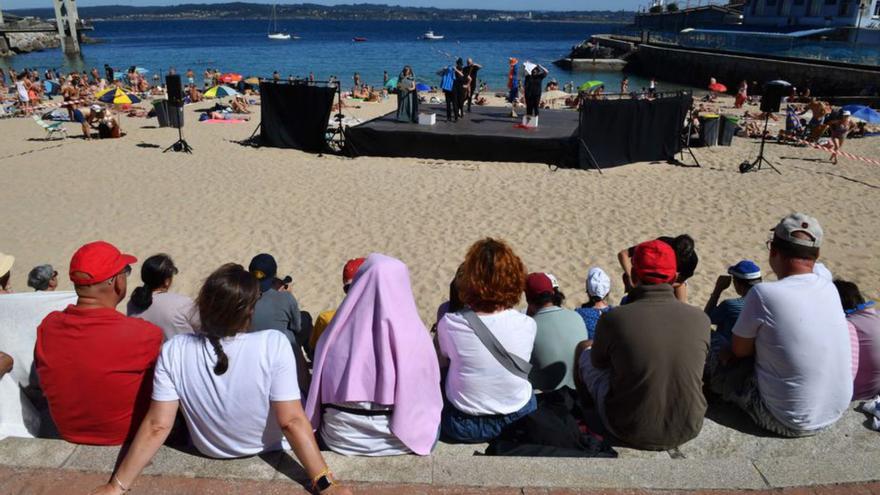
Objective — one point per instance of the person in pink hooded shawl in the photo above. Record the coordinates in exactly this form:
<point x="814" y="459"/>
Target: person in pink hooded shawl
<point x="376" y="383"/>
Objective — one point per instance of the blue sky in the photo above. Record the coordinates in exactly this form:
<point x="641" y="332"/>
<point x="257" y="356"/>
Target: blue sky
<point x="486" y="4"/>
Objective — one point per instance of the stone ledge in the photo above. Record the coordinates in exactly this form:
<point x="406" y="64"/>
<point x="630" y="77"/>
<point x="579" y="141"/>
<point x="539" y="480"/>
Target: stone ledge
<point x="458" y="466"/>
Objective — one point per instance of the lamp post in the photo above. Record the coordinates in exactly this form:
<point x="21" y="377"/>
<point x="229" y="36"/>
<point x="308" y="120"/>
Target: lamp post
<point x="862" y="7"/>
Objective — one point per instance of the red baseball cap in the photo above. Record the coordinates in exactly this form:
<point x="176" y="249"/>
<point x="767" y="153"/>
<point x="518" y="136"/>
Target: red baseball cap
<point x="351" y="268"/>
<point x="96" y="262"/>
<point x="538" y="284"/>
<point x="654" y="262"/>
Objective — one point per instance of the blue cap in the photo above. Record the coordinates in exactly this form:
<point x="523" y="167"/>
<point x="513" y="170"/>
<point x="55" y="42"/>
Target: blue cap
<point x="745" y="270"/>
<point x="264" y="268"/>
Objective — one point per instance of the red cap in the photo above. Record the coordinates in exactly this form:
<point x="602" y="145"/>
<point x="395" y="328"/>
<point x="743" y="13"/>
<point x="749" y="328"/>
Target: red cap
<point x="350" y="269"/>
<point x="537" y="284"/>
<point x="654" y="262"/>
<point x="96" y="262"/>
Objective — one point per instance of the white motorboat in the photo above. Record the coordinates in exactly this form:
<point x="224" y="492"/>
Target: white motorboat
<point x="430" y="36"/>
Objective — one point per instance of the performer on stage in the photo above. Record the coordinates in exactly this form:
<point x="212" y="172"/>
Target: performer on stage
<point x="448" y="85"/>
<point x="407" y="98"/>
<point x="470" y="70"/>
<point x="512" y="86"/>
<point x="532" y="85"/>
<point x="461" y="87"/>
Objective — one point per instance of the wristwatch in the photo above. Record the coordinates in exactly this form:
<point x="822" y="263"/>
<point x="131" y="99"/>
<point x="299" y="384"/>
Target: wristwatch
<point x="323" y="482"/>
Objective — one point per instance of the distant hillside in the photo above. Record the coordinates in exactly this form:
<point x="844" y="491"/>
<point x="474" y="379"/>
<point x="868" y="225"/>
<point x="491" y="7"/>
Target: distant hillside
<point x="238" y="10"/>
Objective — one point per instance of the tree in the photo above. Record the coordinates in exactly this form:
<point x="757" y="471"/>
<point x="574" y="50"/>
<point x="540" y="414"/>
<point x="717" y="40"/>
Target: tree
<point x="672" y="7"/>
<point x="656" y="9"/>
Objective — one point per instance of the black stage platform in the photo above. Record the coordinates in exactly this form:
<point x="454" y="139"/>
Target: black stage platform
<point x="485" y="134"/>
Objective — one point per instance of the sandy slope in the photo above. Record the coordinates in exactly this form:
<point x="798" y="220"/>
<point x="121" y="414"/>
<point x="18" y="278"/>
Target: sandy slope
<point x="228" y="202"/>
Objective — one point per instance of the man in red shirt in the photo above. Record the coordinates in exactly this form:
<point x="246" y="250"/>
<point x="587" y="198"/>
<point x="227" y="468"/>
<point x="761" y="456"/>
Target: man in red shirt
<point x="95" y="364"/>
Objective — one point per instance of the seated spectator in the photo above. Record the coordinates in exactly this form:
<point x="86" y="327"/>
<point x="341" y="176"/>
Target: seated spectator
<point x="173" y="313"/>
<point x="238" y="389"/>
<point x="276" y="310"/>
<point x="6" y="262"/>
<point x="863" y="318"/>
<point x="789" y="365"/>
<point x="43" y="278"/>
<point x="685" y="257"/>
<point x="744" y="275"/>
<point x="323" y="320"/>
<point x="598" y="286"/>
<point x="376" y="383"/>
<point x="644" y="371"/>
<point x="483" y="396"/>
<point x="559" y="331"/>
<point x="95" y="365"/>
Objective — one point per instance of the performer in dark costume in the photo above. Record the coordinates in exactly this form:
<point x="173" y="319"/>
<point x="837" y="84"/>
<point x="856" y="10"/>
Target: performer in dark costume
<point x="470" y="70"/>
<point x="532" y="85"/>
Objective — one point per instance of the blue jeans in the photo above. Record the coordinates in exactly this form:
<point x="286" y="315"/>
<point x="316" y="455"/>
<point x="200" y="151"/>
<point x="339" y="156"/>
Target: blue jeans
<point x="460" y="427"/>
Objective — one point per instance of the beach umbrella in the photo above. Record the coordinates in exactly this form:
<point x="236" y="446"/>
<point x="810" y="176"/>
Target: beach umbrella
<point x="252" y="80"/>
<point x="392" y="83"/>
<point x="863" y="112"/>
<point x="422" y="87"/>
<point x="717" y="87"/>
<point x="116" y="96"/>
<point x="590" y="85"/>
<point x="230" y="77"/>
<point x="220" y="92"/>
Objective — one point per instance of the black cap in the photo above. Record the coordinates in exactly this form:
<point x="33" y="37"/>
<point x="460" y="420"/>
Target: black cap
<point x="264" y="268"/>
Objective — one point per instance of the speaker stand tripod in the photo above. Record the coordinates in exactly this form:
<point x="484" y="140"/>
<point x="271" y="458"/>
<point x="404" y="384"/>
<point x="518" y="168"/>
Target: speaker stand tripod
<point x="760" y="160"/>
<point x="686" y="142"/>
<point x="180" y="144"/>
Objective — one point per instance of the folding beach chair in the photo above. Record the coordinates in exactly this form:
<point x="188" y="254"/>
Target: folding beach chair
<point x="51" y="128"/>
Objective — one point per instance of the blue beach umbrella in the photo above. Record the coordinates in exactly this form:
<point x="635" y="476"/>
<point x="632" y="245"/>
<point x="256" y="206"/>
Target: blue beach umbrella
<point x="422" y="87"/>
<point x="863" y="112"/>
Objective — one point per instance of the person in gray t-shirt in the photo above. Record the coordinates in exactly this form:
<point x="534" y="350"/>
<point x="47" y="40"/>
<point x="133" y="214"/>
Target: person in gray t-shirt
<point x="275" y="310"/>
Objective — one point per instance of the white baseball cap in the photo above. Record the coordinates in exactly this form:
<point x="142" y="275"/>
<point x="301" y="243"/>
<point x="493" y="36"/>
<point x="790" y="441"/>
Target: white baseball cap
<point x="598" y="283"/>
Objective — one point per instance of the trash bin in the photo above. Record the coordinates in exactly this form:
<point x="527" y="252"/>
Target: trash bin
<point x="161" y="108"/>
<point x="729" y="123"/>
<point x="709" y="129"/>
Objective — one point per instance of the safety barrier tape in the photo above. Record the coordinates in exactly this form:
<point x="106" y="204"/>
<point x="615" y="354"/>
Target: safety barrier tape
<point x="829" y="149"/>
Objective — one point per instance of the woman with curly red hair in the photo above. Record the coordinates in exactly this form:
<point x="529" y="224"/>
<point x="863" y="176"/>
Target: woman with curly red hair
<point x="486" y="390"/>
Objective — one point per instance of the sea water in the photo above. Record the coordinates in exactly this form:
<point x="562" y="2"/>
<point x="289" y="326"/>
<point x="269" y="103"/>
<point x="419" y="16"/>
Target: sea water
<point x="326" y="49"/>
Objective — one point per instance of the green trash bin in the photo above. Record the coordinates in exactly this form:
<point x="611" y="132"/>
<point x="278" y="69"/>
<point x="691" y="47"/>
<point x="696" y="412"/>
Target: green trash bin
<point x="709" y="128"/>
<point x="729" y="123"/>
<point x="161" y="108"/>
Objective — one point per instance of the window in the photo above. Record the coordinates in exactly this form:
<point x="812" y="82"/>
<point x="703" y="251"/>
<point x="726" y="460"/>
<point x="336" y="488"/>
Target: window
<point x="877" y="9"/>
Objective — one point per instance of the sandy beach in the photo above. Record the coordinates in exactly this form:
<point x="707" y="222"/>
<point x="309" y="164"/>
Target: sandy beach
<point x="228" y="202"/>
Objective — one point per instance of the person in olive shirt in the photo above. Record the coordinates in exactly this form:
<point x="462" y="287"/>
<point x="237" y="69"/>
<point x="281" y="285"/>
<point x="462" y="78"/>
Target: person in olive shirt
<point x="644" y="371"/>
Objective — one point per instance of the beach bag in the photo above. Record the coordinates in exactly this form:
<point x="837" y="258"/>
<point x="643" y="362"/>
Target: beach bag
<point x="511" y="362"/>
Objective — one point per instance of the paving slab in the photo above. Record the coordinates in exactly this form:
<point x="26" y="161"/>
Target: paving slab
<point x="663" y="474"/>
<point x="854" y="466"/>
<point x="260" y="467"/>
<point x="93" y="458"/>
<point x="175" y="462"/>
<point x="394" y="469"/>
<point x="34" y="452"/>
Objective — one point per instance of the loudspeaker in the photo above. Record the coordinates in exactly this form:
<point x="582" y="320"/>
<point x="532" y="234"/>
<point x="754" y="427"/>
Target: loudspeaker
<point x="175" y="117"/>
<point x="175" y="90"/>
<point x="773" y="93"/>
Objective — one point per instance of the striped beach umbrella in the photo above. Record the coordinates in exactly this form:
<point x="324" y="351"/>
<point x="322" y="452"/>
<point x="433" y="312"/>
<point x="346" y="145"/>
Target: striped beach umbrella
<point x="220" y="92"/>
<point x="116" y="96"/>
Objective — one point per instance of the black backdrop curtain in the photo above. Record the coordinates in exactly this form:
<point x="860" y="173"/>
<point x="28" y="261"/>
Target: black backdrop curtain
<point x="295" y="115"/>
<point x="627" y="131"/>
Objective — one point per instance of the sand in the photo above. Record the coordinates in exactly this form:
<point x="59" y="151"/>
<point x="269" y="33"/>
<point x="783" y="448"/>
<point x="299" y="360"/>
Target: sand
<point x="228" y="202"/>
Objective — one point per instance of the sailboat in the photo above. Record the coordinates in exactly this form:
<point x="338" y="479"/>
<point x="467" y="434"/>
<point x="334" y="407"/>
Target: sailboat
<point x="274" y="33"/>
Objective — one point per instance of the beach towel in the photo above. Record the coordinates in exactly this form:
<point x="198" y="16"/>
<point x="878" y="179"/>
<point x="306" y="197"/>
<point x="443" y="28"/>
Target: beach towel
<point x="376" y="349"/>
<point x="20" y="314"/>
<point x="224" y="121"/>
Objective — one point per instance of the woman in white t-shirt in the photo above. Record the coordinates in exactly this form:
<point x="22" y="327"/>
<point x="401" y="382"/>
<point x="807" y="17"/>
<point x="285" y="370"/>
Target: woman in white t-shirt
<point x="238" y="390"/>
<point x="482" y="396"/>
<point x="173" y="313"/>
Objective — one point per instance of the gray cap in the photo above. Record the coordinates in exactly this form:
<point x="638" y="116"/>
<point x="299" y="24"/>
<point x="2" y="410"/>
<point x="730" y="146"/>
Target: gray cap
<point x="799" y="222"/>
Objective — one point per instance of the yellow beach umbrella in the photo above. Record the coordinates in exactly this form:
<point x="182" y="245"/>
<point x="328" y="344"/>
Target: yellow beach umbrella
<point x="116" y="96"/>
<point x="220" y="92"/>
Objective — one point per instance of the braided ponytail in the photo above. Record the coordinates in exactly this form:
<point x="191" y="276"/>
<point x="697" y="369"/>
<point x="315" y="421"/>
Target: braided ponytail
<point x="155" y="271"/>
<point x="222" y="360"/>
<point x="226" y="302"/>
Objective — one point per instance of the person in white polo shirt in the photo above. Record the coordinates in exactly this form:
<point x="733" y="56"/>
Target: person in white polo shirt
<point x="789" y="366"/>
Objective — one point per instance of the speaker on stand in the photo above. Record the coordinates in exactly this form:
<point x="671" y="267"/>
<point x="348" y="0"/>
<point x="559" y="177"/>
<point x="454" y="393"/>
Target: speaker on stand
<point x="774" y="91"/>
<point x="174" y="87"/>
